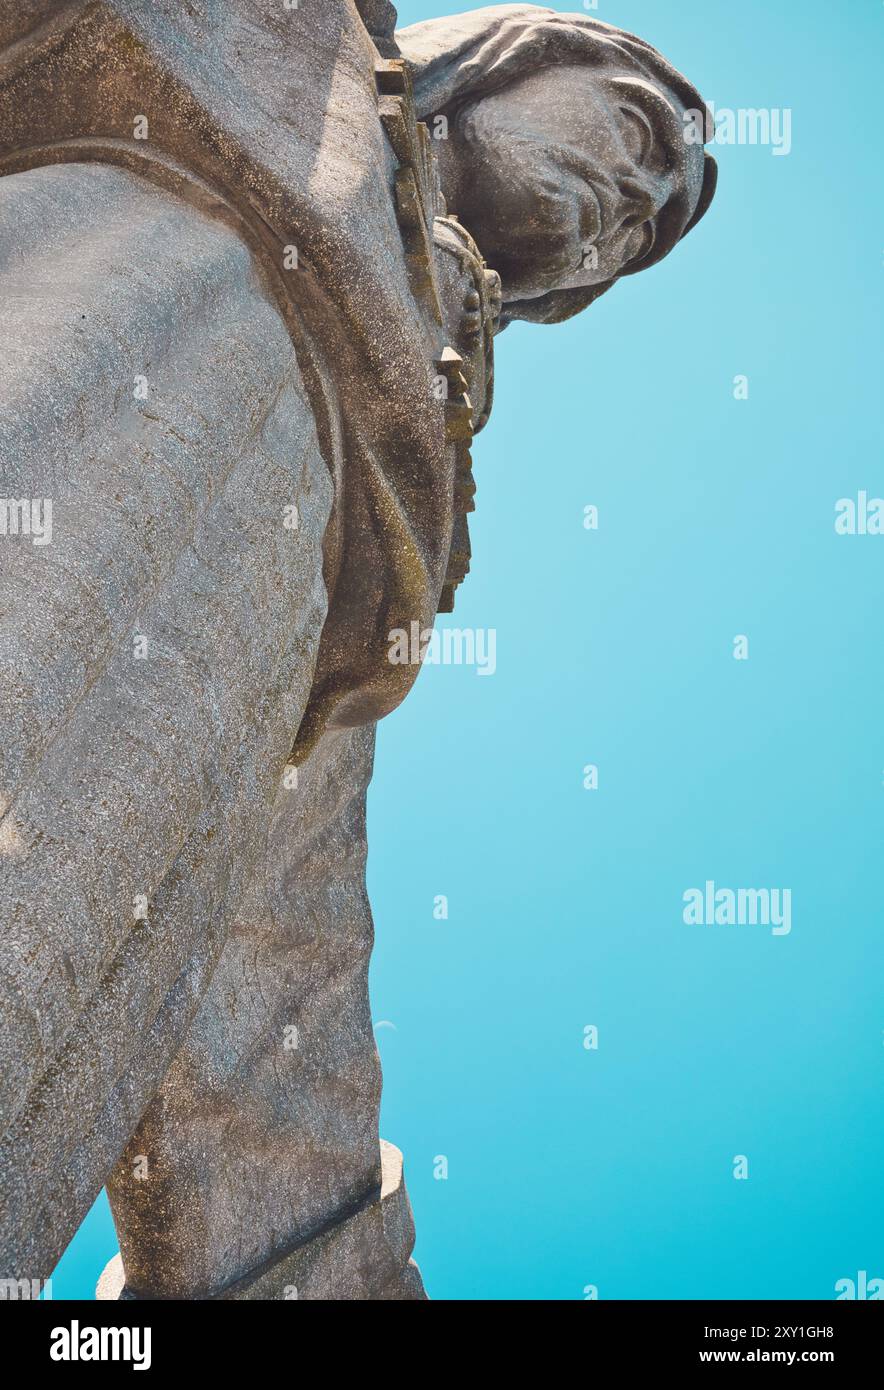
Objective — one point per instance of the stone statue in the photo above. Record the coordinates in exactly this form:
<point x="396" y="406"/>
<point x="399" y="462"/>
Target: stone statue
<point x="252" y="261"/>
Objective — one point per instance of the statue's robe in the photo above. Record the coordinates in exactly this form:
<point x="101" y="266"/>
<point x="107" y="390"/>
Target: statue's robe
<point x="253" y="482"/>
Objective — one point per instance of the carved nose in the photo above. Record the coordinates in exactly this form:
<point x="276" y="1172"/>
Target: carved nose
<point x="640" y="202"/>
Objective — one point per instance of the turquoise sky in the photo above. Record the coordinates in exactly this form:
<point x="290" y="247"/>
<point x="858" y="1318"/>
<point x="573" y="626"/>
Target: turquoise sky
<point x="614" y="1167"/>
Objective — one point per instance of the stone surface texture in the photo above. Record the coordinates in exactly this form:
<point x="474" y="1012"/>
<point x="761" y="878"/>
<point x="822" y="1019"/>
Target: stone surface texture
<point x="124" y="777"/>
<point x="364" y="1254"/>
<point x="265" y="1128"/>
<point x="252" y="261"/>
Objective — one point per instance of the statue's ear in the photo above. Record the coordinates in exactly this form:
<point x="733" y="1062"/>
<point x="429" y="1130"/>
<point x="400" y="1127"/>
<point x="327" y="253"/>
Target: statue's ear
<point x="554" y="307"/>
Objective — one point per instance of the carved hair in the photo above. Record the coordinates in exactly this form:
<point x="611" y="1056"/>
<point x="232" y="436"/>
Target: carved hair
<point x="465" y="57"/>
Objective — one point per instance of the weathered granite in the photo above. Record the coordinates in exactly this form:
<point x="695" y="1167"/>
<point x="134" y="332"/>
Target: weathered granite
<point x="128" y="777"/>
<point x="362" y="1255"/>
<point x="265" y="1128"/>
<point x="245" y="344"/>
<point x="565" y="137"/>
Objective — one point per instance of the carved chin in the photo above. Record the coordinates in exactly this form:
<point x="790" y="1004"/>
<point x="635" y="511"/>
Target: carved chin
<point x="536" y="233"/>
<point x="532" y="257"/>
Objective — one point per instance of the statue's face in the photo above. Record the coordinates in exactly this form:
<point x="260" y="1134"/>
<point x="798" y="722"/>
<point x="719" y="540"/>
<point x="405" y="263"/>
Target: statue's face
<point x="572" y="176"/>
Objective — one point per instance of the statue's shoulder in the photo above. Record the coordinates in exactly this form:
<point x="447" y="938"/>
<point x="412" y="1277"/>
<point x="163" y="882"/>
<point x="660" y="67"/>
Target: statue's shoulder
<point x="298" y="127"/>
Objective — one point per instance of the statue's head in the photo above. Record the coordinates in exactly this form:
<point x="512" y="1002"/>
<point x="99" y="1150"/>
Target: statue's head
<point x="567" y="152"/>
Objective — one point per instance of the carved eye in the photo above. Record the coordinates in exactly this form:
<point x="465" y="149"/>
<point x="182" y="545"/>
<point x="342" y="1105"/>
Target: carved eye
<point x="637" y="134"/>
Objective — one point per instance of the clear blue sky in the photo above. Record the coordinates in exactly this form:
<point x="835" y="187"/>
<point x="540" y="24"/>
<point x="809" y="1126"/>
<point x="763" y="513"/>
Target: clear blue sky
<point x="613" y="1167"/>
